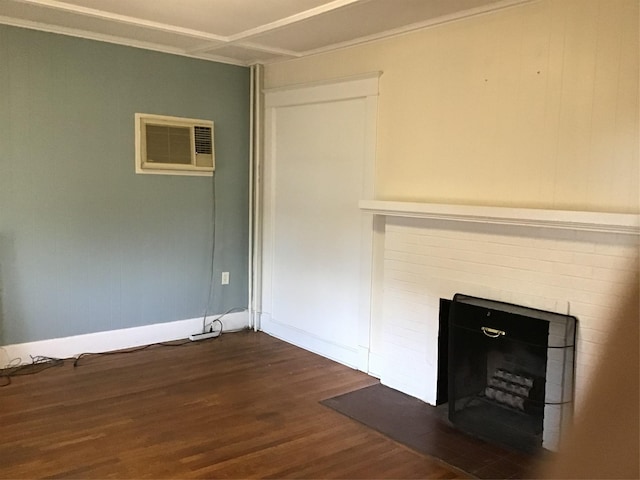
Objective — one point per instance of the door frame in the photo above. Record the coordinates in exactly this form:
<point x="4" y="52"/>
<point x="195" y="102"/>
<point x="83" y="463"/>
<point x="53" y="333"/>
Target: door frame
<point x="357" y="87"/>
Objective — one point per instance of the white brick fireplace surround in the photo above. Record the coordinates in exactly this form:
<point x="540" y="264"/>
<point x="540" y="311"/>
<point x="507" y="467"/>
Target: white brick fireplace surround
<point x="577" y="263"/>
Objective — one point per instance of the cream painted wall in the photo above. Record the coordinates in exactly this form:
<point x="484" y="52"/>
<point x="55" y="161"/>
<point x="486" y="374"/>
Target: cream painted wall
<point x="532" y="106"/>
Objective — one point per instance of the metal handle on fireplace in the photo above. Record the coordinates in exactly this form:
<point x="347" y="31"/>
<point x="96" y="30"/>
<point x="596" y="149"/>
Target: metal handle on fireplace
<point x="492" y="332"/>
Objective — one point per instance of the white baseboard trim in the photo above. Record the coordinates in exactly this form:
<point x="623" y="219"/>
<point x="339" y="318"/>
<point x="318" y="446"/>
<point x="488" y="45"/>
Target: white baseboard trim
<point x="363" y="358"/>
<point x="376" y="365"/>
<point x="333" y="351"/>
<point x="68" y="347"/>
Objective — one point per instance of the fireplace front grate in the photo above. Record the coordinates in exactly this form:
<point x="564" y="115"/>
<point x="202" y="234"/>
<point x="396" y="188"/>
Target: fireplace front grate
<point x="510" y="372"/>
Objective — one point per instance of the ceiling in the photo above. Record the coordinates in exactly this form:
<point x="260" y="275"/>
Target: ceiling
<point x="241" y="32"/>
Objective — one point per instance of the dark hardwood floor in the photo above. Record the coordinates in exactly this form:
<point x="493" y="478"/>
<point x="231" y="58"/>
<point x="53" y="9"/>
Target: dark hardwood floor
<point x="244" y="405"/>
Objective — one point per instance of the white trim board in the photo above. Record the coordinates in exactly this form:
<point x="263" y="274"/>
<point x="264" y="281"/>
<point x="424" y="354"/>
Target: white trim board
<point x="68" y="347"/>
<point x="356" y="86"/>
<point x="334" y="351"/>
<point x="531" y="217"/>
<point x="361" y="87"/>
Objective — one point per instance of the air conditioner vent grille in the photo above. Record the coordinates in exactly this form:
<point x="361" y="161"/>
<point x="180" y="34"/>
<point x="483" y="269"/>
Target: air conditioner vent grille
<point x="203" y="140"/>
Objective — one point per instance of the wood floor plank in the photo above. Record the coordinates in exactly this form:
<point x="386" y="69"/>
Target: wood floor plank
<point x="244" y="405"/>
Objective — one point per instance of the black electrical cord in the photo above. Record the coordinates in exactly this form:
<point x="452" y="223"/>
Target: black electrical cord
<point x="37" y="365"/>
<point x="41" y="363"/>
<point x="208" y="328"/>
<point x="219" y="320"/>
<point x="213" y="250"/>
<point x="130" y="350"/>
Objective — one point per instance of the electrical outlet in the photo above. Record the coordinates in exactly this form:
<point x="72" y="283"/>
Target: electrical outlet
<point x="225" y="278"/>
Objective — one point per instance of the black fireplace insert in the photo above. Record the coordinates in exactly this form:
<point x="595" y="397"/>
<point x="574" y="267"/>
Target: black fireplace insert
<point x="510" y="372"/>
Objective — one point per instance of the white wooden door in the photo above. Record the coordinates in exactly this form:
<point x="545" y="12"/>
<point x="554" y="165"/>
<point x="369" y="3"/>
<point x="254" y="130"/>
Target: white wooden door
<point x="320" y="143"/>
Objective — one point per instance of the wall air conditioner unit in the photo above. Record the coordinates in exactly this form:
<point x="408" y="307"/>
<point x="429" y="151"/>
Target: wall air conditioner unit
<point x="174" y="145"/>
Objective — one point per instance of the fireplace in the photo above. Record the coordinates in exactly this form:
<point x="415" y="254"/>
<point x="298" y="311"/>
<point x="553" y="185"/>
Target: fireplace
<point x="510" y="372"/>
<point x="566" y="262"/>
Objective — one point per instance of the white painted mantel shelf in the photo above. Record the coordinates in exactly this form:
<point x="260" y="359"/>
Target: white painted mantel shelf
<point x="531" y="217"/>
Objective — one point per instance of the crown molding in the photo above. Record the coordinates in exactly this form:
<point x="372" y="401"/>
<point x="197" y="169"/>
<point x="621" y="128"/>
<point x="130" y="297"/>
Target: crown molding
<point x="114" y="17"/>
<point x="414" y="27"/>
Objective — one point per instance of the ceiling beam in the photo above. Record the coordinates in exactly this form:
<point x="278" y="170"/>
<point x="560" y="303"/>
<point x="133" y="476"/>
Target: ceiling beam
<point x="291" y="19"/>
<point x="209" y="47"/>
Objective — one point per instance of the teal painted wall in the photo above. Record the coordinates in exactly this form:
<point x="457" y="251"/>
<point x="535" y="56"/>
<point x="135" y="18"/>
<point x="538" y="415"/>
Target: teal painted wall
<point x="86" y="245"/>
